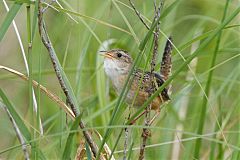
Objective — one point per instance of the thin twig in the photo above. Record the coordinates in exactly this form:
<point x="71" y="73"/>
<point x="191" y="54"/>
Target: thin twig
<point x="147" y="121"/>
<point x="184" y="102"/>
<point x="155" y="38"/>
<point x="125" y="143"/>
<point x="43" y="89"/>
<point x="139" y="15"/>
<point x="35" y="106"/>
<point x="18" y="133"/>
<point x="145" y="134"/>
<point x="50" y="4"/>
<point x="66" y="13"/>
<point x="106" y="148"/>
<point x="126" y="136"/>
<point x="46" y="41"/>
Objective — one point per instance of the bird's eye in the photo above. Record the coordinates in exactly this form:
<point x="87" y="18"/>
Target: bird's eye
<point x="119" y="55"/>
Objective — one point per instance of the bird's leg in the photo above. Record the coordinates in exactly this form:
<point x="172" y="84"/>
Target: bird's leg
<point x="140" y="115"/>
<point x="154" y="117"/>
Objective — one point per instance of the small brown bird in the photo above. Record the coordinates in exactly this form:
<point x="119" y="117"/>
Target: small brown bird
<point x="117" y="65"/>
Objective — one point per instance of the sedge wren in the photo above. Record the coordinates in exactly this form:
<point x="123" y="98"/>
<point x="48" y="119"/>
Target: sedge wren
<point x="117" y="65"/>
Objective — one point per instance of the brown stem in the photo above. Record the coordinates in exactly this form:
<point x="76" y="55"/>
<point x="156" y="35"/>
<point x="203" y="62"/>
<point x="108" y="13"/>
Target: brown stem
<point x="139" y="15"/>
<point x="46" y="41"/>
<point x="147" y="121"/>
<point x="18" y="133"/>
<point x="126" y="139"/>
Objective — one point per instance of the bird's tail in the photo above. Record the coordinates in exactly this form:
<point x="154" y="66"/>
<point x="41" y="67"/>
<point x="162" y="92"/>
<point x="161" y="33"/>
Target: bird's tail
<point x="166" y="64"/>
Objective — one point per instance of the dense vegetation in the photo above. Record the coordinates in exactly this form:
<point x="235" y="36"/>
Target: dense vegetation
<point x="200" y="121"/>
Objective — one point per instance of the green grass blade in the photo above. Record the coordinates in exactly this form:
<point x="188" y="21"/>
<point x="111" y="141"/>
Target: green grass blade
<point x="34" y="22"/>
<point x="89" y="155"/>
<point x="213" y="144"/>
<point x="22" y="127"/>
<point x="30" y="86"/>
<point x="117" y="140"/>
<point x="8" y="19"/>
<point x="130" y="151"/>
<point x="38" y="91"/>
<point x="126" y="21"/>
<point x="69" y="144"/>
<point x="237" y="154"/>
<point x="198" y="38"/>
<point x="22" y="1"/>
<point x="201" y="37"/>
<point x="101" y="111"/>
<point x="91" y="18"/>
<point x="41" y="156"/>
<point x="169" y="9"/>
<point x="207" y="91"/>
<point x="29" y="34"/>
<point x="102" y="80"/>
<point x="64" y="78"/>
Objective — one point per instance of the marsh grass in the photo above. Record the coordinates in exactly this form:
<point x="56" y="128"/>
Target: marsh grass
<point x="210" y="129"/>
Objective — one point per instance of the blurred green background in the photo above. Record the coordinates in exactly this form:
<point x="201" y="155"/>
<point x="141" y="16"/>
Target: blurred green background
<point x="77" y="40"/>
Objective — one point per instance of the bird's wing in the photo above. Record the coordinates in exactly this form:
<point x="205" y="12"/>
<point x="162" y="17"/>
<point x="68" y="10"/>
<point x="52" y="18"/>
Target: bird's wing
<point x="144" y="82"/>
<point x="160" y="81"/>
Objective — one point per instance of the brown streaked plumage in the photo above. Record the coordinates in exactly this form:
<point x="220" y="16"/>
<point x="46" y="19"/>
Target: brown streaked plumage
<point x="117" y="64"/>
<point x="166" y="65"/>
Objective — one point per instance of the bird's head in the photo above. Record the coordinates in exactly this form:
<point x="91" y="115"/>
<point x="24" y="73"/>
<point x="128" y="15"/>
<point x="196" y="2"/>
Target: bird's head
<point x="116" y="62"/>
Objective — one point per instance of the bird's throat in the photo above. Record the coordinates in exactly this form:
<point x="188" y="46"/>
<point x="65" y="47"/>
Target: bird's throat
<point x="113" y="69"/>
<point x="117" y="74"/>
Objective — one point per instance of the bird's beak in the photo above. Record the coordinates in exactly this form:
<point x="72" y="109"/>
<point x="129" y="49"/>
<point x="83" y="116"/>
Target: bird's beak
<point x="106" y="54"/>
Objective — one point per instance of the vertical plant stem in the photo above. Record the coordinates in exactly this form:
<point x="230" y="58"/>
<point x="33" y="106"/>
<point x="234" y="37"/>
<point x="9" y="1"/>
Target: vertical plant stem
<point x="29" y="54"/>
<point x="139" y="15"/>
<point x="115" y="145"/>
<point x="184" y="103"/>
<point x="64" y="83"/>
<point x="126" y="139"/>
<point x="30" y="87"/>
<point x="25" y="63"/>
<point x="238" y="127"/>
<point x="216" y="136"/>
<point x="18" y="133"/>
<point x="38" y="95"/>
<point x="125" y="143"/>
<point x="146" y="132"/>
<point x="207" y="90"/>
<point x="126" y="21"/>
